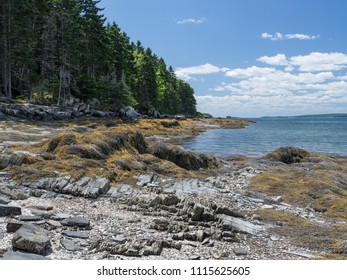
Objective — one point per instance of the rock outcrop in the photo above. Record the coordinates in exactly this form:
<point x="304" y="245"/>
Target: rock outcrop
<point x="287" y="155"/>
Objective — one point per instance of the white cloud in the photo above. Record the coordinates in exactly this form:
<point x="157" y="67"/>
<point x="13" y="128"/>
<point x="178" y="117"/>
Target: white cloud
<point x="316" y="61"/>
<point x="304" y="84"/>
<point x="279" y="59"/>
<point x="279" y="36"/>
<point x="249" y="72"/>
<point x="186" y="73"/>
<point x="191" y="20"/>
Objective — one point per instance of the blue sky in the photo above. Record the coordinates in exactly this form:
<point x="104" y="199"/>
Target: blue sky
<point x="247" y="58"/>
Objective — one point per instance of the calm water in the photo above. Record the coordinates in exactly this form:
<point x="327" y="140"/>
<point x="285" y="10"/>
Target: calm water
<point x="327" y="134"/>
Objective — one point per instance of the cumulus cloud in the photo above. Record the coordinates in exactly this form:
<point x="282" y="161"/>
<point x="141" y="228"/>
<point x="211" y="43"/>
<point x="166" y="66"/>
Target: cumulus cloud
<point x="303" y="84"/>
<point x="191" y="20"/>
<point x="316" y="61"/>
<point x="279" y="36"/>
<point x="187" y="73"/>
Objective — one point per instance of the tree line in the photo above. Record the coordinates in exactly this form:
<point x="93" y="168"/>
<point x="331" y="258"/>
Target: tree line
<point x="51" y="50"/>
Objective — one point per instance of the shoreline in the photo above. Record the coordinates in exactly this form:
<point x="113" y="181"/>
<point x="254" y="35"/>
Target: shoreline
<point x="217" y="208"/>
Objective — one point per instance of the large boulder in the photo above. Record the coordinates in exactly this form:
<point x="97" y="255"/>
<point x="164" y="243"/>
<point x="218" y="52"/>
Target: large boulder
<point x="31" y="238"/>
<point x="186" y="159"/>
<point x="287" y="155"/>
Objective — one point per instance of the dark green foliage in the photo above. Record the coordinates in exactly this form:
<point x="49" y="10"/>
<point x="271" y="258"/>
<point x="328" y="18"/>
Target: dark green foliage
<point x="51" y="50"/>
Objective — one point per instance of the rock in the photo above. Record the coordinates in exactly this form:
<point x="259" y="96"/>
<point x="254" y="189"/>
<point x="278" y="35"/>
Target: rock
<point x="128" y="113"/>
<point x="13" y="226"/>
<point x="54" y="223"/>
<point x="4" y="199"/>
<point x="120" y="239"/>
<point x="160" y="224"/>
<point x="229" y="212"/>
<point x="30" y="218"/>
<point x="14" y="194"/>
<point x="11" y="255"/>
<point x="195" y="257"/>
<point x="6" y="211"/>
<point x="76" y="221"/>
<point x="76" y="234"/>
<point x="32" y="239"/>
<point x="197" y="212"/>
<point x="2" y="235"/>
<point x="240" y="252"/>
<point x="171" y="200"/>
<point x="200" y="235"/>
<point x="95" y="187"/>
<point x="156" y="201"/>
<point x="61" y="216"/>
<point x="183" y="158"/>
<point x="69" y="245"/>
<point x="157" y="248"/>
<point x="287" y="155"/>
<point x="169" y="124"/>
<point x="240" y="225"/>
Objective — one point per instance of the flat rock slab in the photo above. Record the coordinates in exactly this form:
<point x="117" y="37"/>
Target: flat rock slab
<point x="61" y="216"/>
<point x="76" y="234"/>
<point x="11" y="255"/>
<point x="35" y="218"/>
<point x="76" y="221"/>
<point x="6" y="211"/>
<point x="241" y="225"/>
<point x="69" y="245"/>
<point x="41" y="207"/>
<point x="31" y="238"/>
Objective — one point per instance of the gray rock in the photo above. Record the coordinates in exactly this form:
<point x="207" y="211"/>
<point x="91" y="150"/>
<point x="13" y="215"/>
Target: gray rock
<point x="76" y="221"/>
<point x="120" y="239"/>
<point x="157" y="248"/>
<point x="32" y="239"/>
<point x="76" y="234"/>
<point x="4" y="199"/>
<point x="160" y="224"/>
<point x="11" y="255"/>
<point x="95" y="187"/>
<point x="156" y="201"/>
<point x="61" y="216"/>
<point x="2" y="235"/>
<point x="241" y="225"/>
<point x="69" y="245"/>
<point x="13" y="226"/>
<point x="200" y="235"/>
<point x="171" y="200"/>
<point x="229" y="212"/>
<point x="240" y="252"/>
<point x="54" y="223"/>
<point x="24" y="218"/>
<point x="197" y="212"/>
<point x="195" y="257"/>
<point x="6" y="211"/>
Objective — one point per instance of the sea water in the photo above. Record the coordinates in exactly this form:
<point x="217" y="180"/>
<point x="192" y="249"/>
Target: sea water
<point x="318" y="133"/>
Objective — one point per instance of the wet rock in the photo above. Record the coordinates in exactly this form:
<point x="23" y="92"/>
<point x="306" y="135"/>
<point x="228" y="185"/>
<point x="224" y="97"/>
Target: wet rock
<point x="76" y="221"/>
<point x="6" y="211"/>
<point x="11" y="255"/>
<point x="69" y="245"/>
<point x="32" y="239"/>
<point x="76" y="234"/>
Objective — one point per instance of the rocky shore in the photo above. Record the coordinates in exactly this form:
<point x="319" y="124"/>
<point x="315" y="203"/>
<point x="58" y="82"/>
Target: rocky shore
<point x="113" y="190"/>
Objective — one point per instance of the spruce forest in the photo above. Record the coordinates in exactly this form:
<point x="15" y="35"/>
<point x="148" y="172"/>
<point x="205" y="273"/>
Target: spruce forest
<point x="51" y="50"/>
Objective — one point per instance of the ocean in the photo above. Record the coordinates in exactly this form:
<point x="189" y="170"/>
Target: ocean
<point x="317" y="133"/>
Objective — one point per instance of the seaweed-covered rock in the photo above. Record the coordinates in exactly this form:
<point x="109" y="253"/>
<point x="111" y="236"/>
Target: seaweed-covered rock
<point x="186" y="159"/>
<point x="287" y="155"/>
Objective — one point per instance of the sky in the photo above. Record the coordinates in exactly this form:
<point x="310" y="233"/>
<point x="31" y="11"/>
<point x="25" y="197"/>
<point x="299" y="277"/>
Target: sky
<point x="247" y="58"/>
